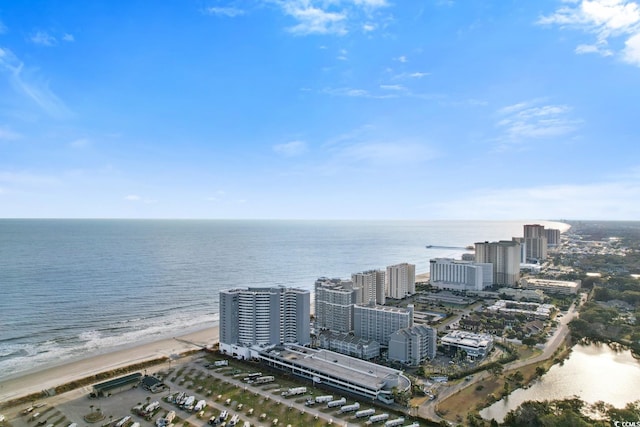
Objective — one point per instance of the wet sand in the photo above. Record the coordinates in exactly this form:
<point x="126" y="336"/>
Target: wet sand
<point x="34" y="382"/>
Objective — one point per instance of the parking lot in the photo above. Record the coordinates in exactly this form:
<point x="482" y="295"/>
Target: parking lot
<point x="222" y="388"/>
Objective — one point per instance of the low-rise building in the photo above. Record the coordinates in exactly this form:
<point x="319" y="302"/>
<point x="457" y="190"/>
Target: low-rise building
<point x="476" y="346"/>
<point x="349" y="344"/>
<point x="562" y="287"/>
<point x="534" y="295"/>
<point x="529" y="309"/>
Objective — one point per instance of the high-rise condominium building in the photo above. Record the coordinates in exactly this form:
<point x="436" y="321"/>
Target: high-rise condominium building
<point x="377" y="323"/>
<point x="264" y="316"/>
<point x="334" y="300"/>
<point x="413" y="345"/>
<point x="371" y="285"/>
<point x="535" y="238"/>
<point x="401" y="280"/>
<point x="505" y="257"/>
<point x="447" y="273"/>
<point x="553" y="236"/>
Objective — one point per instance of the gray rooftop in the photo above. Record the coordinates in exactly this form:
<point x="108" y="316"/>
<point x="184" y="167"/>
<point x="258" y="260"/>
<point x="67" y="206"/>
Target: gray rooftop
<point x="357" y="371"/>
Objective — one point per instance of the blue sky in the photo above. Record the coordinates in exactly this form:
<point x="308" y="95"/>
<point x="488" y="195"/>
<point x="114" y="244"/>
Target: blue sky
<point x="350" y="109"/>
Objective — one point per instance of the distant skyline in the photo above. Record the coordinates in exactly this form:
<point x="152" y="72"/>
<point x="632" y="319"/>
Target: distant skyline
<point x="320" y="109"/>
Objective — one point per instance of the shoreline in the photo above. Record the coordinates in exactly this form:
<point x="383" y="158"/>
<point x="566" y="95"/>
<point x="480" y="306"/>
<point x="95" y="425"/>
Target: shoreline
<point x="35" y="381"/>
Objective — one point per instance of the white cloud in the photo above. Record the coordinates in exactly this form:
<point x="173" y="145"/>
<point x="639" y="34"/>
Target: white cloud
<point x="414" y="75"/>
<point x="393" y="87"/>
<point x="386" y="153"/>
<point x="314" y="20"/>
<point x="68" y="37"/>
<point x="358" y="93"/>
<point x="343" y="55"/>
<point x="631" y="52"/>
<point x="26" y="83"/>
<point x="607" y="20"/>
<point x="402" y="59"/>
<point x="593" y="48"/>
<point x="371" y="3"/>
<point x="43" y="38"/>
<point x="386" y="91"/>
<point x="330" y="17"/>
<point x="365" y="149"/>
<point x="526" y="120"/>
<point x="133" y="198"/>
<point x="230" y="12"/>
<point x="347" y="91"/>
<point x="291" y="149"/>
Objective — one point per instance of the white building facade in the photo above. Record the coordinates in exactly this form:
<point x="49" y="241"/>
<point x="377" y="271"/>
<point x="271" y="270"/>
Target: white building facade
<point x="377" y="323"/>
<point x="349" y="344"/>
<point x="476" y="346"/>
<point x="563" y="287"/>
<point x="447" y="273"/>
<point x="413" y="345"/>
<point x="400" y="280"/>
<point x="334" y="301"/>
<point x="372" y="286"/>
<point x="262" y="317"/>
<point x="505" y="257"/>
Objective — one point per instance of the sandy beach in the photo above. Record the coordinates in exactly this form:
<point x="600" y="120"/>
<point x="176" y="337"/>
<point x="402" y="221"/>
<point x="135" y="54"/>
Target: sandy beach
<point x="33" y="382"/>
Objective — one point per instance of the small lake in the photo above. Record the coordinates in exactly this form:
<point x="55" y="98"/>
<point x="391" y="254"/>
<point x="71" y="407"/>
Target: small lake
<point x="592" y="372"/>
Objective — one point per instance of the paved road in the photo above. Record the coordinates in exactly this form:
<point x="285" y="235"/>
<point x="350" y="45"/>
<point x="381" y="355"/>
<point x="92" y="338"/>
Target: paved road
<point x="276" y="398"/>
<point x="428" y="409"/>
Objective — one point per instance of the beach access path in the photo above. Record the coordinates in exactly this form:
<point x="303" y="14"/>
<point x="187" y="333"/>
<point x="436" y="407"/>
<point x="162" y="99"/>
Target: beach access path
<point x="37" y="381"/>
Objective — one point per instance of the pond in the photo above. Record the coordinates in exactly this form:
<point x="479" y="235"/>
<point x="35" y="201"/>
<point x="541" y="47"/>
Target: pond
<point x="592" y="372"/>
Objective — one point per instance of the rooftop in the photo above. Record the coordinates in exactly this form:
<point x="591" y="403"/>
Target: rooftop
<point x="357" y="371"/>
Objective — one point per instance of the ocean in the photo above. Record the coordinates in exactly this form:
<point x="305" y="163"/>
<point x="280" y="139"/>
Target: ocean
<point x="74" y="288"/>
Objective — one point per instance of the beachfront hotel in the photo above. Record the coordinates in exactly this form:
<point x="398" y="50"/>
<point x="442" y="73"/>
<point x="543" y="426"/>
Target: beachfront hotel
<point x="334" y="301"/>
<point x="372" y="286"/>
<point x="535" y="238"/>
<point x="505" y="257"/>
<point x="447" y="273"/>
<point x="262" y="317"/>
<point x="401" y="280"/>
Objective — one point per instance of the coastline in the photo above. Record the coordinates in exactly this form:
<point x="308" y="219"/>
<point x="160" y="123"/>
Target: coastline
<point x="30" y="382"/>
